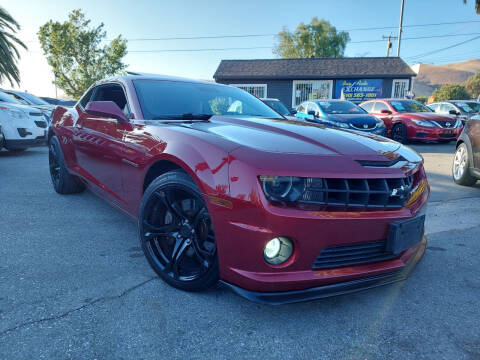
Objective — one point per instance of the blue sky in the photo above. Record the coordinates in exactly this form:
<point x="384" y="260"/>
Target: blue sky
<point x="177" y="18"/>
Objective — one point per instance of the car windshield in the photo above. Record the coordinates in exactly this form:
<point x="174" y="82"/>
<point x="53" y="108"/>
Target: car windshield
<point x="33" y="99"/>
<point x="469" y="107"/>
<point x="409" y="106"/>
<point x="340" y="107"/>
<point x="165" y="99"/>
<point x="8" y="99"/>
<point x="278" y="105"/>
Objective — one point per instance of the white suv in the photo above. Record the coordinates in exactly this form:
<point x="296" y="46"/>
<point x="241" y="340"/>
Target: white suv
<point x="21" y="126"/>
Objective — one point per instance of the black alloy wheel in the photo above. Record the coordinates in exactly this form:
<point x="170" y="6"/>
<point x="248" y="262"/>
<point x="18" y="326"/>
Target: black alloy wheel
<point x="63" y="182"/>
<point x="399" y="133"/>
<point x="176" y="233"/>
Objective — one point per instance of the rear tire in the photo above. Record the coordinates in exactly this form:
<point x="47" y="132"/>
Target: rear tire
<point x="176" y="233"/>
<point x="62" y="181"/>
<point x="399" y="133"/>
<point x="460" y="169"/>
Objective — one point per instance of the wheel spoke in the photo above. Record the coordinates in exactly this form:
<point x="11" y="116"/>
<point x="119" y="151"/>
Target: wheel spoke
<point x="150" y="232"/>
<point x="201" y="255"/>
<point x="181" y="244"/>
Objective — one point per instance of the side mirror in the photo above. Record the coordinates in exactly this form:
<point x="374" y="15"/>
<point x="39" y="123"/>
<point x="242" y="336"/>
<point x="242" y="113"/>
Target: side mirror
<point x="386" y="112"/>
<point x="312" y="112"/>
<point x="293" y="111"/>
<point x="107" y="109"/>
<point x="454" y="112"/>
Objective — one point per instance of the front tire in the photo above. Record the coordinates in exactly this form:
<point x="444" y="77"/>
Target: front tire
<point x="460" y="169"/>
<point x="62" y="181"/>
<point x="176" y="233"/>
<point x="399" y="133"/>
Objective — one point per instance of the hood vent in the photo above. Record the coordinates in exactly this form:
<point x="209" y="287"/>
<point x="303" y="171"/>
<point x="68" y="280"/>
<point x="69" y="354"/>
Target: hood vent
<point x="388" y="163"/>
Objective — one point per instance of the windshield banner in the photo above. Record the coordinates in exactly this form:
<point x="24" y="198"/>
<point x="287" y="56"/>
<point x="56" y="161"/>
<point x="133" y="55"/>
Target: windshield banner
<point x="358" y="90"/>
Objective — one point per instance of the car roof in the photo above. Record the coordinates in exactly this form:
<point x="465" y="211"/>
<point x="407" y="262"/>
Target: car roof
<point x="145" y="76"/>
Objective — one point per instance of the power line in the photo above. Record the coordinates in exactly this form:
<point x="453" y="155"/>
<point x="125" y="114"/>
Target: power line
<point x="416" y="57"/>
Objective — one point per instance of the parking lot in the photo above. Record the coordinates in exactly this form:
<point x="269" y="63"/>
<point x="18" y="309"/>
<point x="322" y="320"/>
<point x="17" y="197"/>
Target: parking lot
<point x="74" y="284"/>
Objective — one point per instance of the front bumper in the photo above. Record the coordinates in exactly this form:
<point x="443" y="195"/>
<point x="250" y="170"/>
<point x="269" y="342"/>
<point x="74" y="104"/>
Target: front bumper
<point x="24" y="143"/>
<point x="434" y="134"/>
<point x="320" y="292"/>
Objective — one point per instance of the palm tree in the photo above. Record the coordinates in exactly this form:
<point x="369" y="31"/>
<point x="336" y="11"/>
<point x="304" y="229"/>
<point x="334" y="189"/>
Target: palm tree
<point x="8" y="50"/>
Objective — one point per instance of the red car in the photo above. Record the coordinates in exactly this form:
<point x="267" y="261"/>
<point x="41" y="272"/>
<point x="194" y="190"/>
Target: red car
<point x="226" y="189"/>
<point x="410" y="120"/>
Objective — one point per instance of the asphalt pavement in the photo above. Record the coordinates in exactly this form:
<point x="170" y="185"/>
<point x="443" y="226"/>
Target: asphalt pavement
<point x="74" y="284"/>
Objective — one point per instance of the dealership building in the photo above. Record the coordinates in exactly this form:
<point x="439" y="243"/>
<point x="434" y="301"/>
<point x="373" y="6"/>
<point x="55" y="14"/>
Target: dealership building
<point x="295" y="80"/>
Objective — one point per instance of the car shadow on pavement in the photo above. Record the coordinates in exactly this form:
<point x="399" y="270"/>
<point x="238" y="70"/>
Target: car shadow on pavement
<point x="26" y="153"/>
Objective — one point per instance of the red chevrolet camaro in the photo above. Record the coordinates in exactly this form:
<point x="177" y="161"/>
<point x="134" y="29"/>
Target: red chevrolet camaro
<point x="410" y="120"/>
<point x="226" y="189"/>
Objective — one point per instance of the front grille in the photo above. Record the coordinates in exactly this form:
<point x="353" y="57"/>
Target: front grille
<point x="369" y="193"/>
<point x="448" y="136"/>
<point x="362" y="126"/>
<point x="337" y="256"/>
<point x="41" y="124"/>
<point x="446" y="124"/>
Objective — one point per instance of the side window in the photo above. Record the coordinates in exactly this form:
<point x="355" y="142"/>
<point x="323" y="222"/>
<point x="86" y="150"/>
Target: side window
<point x="86" y="98"/>
<point x="379" y="106"/>
<point x="445" y="108"/>
<point x="301" y="108"/>
<point x="312" y="107"/>
<point x="112" y="92"/>
<point x="434" y="107"/>
<point x="368" y="107"/>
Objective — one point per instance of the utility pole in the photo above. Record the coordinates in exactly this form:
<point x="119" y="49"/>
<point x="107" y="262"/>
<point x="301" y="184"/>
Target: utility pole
<point x="55" y="74"/>
<point x="389" y="42"/>
<point x="400" y="28"/>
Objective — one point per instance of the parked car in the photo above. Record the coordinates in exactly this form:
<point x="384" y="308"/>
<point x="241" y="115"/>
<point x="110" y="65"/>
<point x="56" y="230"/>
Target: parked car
<point x="466" y="163"/>
<point x="53" y="101"/>
<point x="410" y="120"/>
<point x="341" y="114"/>
<point x="462" y="109"/>
<point x="224" y="188"/>
<point x="280" y="107"/>
<point x="21" y="126"/>
<point x="32" y="101"/>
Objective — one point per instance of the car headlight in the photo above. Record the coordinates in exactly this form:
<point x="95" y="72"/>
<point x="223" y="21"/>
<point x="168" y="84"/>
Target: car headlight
<point x="424" y="123"/>
<point x="282" y="188"/>
<point x="336" y="123"/>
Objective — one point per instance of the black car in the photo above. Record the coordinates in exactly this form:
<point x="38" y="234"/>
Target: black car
<point x="466" y="163"/>
<point x="463" y="109"/>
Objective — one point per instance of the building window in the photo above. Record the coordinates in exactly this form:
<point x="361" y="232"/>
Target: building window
<point x="258" y="90"/>
<point x="304" y="90"/>
<point x="399" y="88"/>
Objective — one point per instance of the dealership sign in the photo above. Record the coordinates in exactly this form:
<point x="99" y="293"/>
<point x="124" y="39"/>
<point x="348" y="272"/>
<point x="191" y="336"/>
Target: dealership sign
<point x="358" y="90"/>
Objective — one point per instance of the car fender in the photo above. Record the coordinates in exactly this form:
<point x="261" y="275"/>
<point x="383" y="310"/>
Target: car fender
<point x="463" y="138"/>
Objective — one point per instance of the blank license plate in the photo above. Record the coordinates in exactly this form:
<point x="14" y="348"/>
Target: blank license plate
<point x="404" y="234"/>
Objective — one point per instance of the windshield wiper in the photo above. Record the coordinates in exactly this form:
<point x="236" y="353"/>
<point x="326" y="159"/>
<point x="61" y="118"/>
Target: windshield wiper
<point x="186" y="116"/>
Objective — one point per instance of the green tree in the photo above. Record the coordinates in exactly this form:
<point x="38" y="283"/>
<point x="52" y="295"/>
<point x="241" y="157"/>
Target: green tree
<point x="421" y="99"/>
<point x="472" y="85"/>
<point x="477" y="5"/>
<point x="73" y="49"/>
<point x="317" y="39"/>
<point x="451" y="92"/>
<point x="9" y="54"/>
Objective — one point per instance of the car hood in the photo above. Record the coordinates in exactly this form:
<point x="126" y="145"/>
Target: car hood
<point x="427" y="116"/>
<point x="24" y="108"/>
<point x="354" y="119"/>
<point x="298" y="137"/>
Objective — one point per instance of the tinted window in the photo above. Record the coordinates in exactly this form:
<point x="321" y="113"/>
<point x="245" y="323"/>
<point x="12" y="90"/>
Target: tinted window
<point x="111" y="92"/>
<point x="368" y="107"/>
<point x="340" y="107"/>
<point x="277" y="105"/>
<point x="409" y="106"/>
<point x="469" y="107"/>
<point x="33" y="99"/>
<point x="171" y="99"/>
<point x="379" y="106"/>
<point x="86" y="98"/>
<point x="434" y="107"/>
<point x="445" y="108"/>
<point x="8" y="99"/>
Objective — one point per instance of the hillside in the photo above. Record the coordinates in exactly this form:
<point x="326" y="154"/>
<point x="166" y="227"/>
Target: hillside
<point x="431" y="77"/>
